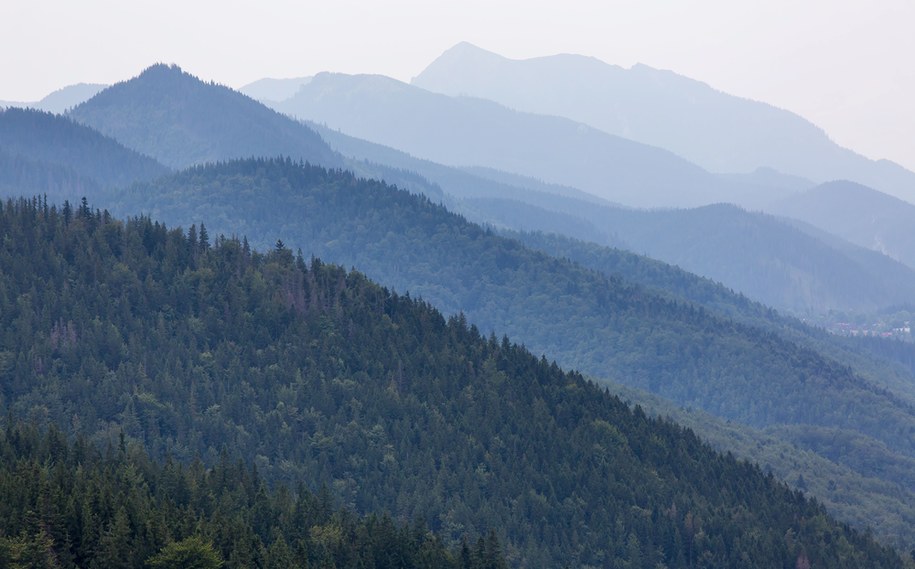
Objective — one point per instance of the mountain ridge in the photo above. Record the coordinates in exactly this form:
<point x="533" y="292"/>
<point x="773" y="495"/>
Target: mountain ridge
<point x="475" y="132"/>
<point x="858" y="214"/>
<point x="678" y="237"/>
<point x="174" y="117"/>
<point x="272" y="204"/>
<point x="664" y="109"/>
<point x="314" y="373"/>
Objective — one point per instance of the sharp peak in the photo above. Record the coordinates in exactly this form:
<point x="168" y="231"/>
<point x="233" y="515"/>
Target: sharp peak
<point x="467" y="49"/>
<point x="467" y="46"/>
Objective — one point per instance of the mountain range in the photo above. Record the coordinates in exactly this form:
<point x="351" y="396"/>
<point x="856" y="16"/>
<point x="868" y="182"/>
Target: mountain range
<point x="460" y="131"/>
<point x="858" y="214"/>
<point x="715" y="130"/>
<point x="171" y="116"/>
<point x="612" y="314"/>
<point x="768" y="259"/>
<point x="315" y="375"/>
<point x="62" y="99"/>
<point x="55" y="156"/>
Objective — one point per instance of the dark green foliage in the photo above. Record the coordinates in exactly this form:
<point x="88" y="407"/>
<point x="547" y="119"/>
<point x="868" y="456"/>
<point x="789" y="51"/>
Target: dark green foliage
<point x="717" y="352"/>
<point x="602" y="326"/>
<point x="191" y="553"/>
<point x="66" y="505"/>
<point x="179" y="120"/>
<point x="316" y="375"/>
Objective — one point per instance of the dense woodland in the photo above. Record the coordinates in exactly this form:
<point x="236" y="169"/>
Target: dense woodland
<point x="764" y="257"/>
<point x="602" y="325"/>
<point x="770" y="260"/>
<point x="68" y="504"/>
<point x="756" y="369"/>
<point x="868" y="356"/>
<point x="194" y="346"/>
<point x="628" y="318"/>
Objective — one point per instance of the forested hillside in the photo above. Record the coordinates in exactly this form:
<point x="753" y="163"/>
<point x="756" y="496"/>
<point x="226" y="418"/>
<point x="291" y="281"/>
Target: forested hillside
<point x="555" y="307"/>
<point x="179" y="120"/>
<point x="858" y="214"/>
<point x="597" y="324"/>
<point x="189" y="344"/>
<point x="464" y="131"/>
<point x="67" y="505"/>
<point x="566" y="341"/>
<point x="765" y="258"/>
<point x="50" y="154"/>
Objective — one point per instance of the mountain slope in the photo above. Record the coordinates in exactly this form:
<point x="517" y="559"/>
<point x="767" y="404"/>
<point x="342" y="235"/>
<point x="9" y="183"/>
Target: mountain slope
<point x="62" y="99"/>
<point x="472" y="132"/>
<point x="857" y="214"/>
<point x="720" y="132"/>
<point x="68" y="97"/>
<point x="764" y="258"/>
<point x="45" y="153"/>
<point x="273" y="89"/>
<point x="316" y="374"/>
<point x="180" y="120"/>
<point x="68" y="505"/>
<point x="603" y="326"/>
<point x="477" y="193"/>
<point x="768" y="277"/>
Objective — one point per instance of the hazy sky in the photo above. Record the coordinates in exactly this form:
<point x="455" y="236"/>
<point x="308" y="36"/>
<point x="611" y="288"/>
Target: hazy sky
<point x="846" y="65"/>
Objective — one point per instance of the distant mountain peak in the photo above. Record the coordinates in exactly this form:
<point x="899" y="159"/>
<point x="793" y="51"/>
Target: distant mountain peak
<point x="719" y="132"/>
<point x="273" y="89"/>
<point x="465" y="48"/>
<point x="175" y="117"/>
<point x="464" y="55"/>
<point x="163" y="68"/>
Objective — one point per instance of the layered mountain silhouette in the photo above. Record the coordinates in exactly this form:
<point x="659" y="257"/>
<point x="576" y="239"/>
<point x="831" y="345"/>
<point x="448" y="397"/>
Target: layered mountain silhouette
<point x="858" y="214"/>
<point x="767" y="259"/>
<point x="179" y="120"/>
<point x="713" y="351"/>
<point x="273" y="89"/>
<point x="180" y="349"/>
<point x="49" y="154"/>
<point x="62" y="99"/>
<point x="753" y="374"/>
<point x="460" y="131"/>
<point x="720" y="132"/>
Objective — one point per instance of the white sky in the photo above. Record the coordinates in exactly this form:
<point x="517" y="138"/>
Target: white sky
<point x="847" y="65"/>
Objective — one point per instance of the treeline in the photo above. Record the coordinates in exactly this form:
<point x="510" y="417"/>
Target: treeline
<point x="604" y="326"/>
<point x="67" y="504"/>
<point x="189" y="344"/>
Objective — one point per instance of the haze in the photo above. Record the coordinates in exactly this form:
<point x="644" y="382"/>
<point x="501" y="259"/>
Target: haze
<point x="840" y="64"/>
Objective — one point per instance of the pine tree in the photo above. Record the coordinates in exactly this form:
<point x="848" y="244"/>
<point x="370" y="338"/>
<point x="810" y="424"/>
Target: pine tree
<point x="189" y="553"/>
